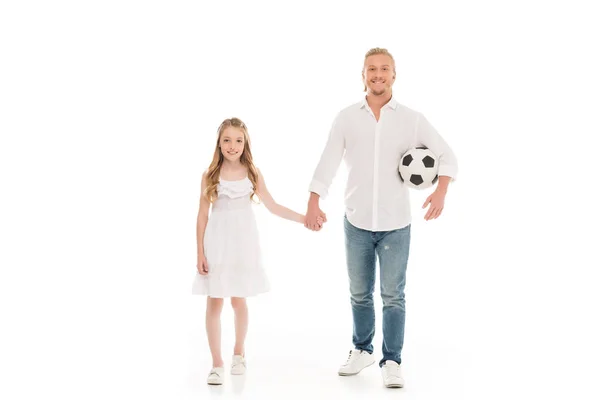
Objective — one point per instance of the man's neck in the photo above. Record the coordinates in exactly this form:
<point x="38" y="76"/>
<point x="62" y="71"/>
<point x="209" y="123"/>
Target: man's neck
<point x="377" y="102"/>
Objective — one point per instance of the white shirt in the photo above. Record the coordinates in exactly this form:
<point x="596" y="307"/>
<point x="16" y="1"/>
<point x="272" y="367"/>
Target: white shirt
<point x="375" y="198"/>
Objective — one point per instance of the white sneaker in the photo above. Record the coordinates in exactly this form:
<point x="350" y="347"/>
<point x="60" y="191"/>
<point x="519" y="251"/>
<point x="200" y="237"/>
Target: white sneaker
<point x="238" y="365"/>
<point x="392" y="376"/>
<point x="215" y="377"/>
<point x="356" y="362"/>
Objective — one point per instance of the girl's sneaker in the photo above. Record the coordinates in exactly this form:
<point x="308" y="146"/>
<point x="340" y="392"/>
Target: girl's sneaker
<point x="215" y="377"/>
<point x="238" y="365"/>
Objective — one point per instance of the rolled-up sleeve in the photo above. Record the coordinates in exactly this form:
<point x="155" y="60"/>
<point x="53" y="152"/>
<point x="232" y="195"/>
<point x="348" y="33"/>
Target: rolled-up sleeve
<point x="427" y="135"/>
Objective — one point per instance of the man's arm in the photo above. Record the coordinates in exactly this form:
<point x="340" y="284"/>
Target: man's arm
<point x="324" y="174"/>
<point x="447" y="170"/>
<point x="428" y="136"/>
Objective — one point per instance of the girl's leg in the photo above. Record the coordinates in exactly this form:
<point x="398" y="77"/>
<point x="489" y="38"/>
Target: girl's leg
<point x="240" y="310"/>
<point x="213" y="329"/>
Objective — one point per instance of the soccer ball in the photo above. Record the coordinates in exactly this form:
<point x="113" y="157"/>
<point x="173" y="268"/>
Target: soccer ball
<point x="418" y="168"/>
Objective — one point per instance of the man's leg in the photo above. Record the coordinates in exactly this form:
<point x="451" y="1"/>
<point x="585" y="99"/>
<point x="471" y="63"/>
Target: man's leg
<point x="393" y="249"/>
<point x="360" y="259"/>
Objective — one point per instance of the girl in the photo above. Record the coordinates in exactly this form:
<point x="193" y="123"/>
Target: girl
<point x="229" y="259"/>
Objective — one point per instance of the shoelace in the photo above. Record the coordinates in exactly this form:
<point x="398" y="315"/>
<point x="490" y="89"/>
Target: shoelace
<point x="238" y="361"/>
<point x="350" y="356"/>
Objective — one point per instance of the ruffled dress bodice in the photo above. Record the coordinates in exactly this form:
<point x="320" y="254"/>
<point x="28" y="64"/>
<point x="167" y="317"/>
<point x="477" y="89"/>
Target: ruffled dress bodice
<point x="233" y="195"/>
<point x="234" y="189"/>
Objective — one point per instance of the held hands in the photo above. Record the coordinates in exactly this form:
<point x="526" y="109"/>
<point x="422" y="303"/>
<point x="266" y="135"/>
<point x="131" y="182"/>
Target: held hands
<point x="319" y="225"/>
<point x="202" y="265"/>
<point x="436" y="204"/>
<point x="320" y="221"/>
<point x="315" y="218"/>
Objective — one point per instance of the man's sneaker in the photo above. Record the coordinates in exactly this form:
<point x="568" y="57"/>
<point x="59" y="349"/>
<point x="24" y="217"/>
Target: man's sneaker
<point x="392" y="377"/>
<point x="238" y="365"/>
<point x="215" y="377"/>
<point x="356" y="362"/>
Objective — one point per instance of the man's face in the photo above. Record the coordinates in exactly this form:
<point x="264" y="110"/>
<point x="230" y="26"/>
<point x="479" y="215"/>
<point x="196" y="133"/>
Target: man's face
<point x="378" y="74"/>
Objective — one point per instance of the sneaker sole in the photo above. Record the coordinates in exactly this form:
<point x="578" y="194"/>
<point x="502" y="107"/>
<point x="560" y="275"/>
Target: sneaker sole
<point x="357" y="372"/>
<point x="394" y="386"/>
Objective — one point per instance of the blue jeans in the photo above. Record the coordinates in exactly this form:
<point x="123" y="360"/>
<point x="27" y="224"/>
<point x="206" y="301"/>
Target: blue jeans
<point x="391" y="248"/>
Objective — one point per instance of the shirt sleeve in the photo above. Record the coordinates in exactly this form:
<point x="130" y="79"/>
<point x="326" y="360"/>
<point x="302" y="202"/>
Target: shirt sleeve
<point x="428" y="136"/>
<point x="330" y="160"/>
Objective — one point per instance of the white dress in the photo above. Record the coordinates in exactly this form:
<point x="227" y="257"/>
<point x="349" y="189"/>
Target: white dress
<point x="232" y="246"/>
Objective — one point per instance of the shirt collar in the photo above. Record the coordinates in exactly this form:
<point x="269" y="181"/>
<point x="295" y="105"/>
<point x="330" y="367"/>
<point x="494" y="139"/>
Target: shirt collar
<point x="393" y="104"/>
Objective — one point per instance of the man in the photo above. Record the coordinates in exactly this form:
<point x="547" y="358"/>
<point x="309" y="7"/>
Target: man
<point x="371" y="136"/>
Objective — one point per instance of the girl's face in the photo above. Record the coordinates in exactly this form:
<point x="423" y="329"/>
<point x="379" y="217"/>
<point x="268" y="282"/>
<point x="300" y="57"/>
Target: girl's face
<point x="232" y="143"/>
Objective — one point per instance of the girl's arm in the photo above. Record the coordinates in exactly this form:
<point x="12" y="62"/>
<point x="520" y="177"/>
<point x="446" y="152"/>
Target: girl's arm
<point x="272" y="206"/>
<point x="201" y="223"/>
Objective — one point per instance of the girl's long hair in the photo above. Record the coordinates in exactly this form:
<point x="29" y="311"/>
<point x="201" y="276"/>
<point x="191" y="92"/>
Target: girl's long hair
<point x="214" y="170"/>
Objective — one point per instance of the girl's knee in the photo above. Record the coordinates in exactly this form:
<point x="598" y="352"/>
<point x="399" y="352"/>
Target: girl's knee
<point x="238" y="302"/>
<point x="214" y="304"/>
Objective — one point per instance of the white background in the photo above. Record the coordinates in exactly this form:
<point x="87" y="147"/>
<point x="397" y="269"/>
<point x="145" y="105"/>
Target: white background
<point x="108" y="115"/>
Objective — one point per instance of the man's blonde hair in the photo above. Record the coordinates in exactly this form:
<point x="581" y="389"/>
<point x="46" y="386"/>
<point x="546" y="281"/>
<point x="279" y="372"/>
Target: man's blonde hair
<point x="375" y="51"/>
